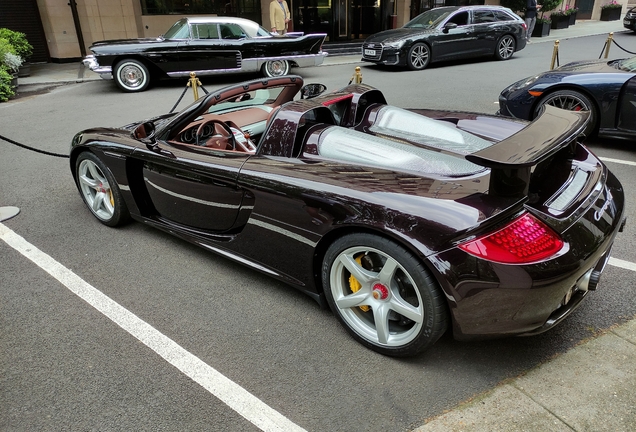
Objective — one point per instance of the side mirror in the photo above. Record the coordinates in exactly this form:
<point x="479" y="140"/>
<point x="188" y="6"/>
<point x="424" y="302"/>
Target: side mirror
<point x="449" y="26"/>
<point x="312" y="90"/>
<point x="145" y="132"/>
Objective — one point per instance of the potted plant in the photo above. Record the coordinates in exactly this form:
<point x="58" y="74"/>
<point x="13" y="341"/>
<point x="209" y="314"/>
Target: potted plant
<point x="572" y="14"/>
<point x="21" y="47"/>
<point x="9" y="63"/>
<point x="559" y="20"/>
<point x="611" y="11"/>
<point x="542" y="27"/>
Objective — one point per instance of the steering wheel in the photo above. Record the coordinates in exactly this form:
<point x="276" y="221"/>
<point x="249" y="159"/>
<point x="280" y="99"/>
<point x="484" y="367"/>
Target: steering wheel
<point x="242" y="140"/>
<point x="220" y="141"/>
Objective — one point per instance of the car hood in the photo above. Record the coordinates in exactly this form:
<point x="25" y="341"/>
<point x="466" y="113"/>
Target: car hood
<point x="588" y="66"/>
<point x="139" y="41"/>
<point x="394" y="35"/>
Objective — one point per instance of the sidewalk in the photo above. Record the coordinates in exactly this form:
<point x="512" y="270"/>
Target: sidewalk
<point x="592" y="387"/>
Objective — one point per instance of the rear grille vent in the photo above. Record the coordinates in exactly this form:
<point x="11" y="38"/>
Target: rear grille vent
<point x="239" y="60"/>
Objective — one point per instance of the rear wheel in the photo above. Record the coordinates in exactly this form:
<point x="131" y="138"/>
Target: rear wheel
<point x="132" y="76"/>
<point x="505" y="47"/>
<point x="383" y="295"/>
<point x="573" y="101"/>
<point x="276" y="68"/>
<point x="419" y="56"/>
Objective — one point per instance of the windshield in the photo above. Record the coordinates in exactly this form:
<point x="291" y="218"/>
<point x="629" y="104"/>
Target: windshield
<point x="180" y="30"/>
<point x="247" y="99"/>
<point x="429" y="19"/>
<point x="628" y="65"/>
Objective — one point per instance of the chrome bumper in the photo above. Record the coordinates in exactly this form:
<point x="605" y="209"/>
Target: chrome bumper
<point x="105" y="72"/>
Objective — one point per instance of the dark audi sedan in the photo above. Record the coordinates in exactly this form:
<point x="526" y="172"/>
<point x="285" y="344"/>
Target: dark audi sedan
<point x="629" y="21"/>
<point x="448" y="33"/>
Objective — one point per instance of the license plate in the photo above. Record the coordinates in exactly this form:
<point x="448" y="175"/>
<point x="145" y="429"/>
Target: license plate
<point x="369" y="52"/>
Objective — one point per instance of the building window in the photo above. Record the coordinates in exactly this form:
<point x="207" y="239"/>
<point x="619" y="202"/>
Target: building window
<point x="169" y="7"/>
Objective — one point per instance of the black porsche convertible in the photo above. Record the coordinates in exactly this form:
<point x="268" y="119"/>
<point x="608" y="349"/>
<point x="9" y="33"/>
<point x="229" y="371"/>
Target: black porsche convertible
<point x="405" y="222"/>
<point x="605" y="88"/>
<point x="206" y="46"/>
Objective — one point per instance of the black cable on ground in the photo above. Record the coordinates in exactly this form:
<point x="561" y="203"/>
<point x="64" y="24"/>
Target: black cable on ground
<point x="179" y="100"/>
<point x="33" y="149"/>
<point x="604" y="46"/>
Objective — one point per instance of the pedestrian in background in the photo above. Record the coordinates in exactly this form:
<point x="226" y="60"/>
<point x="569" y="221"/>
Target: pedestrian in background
<point x="531" y="16"/>
<point x="279" y="16"/>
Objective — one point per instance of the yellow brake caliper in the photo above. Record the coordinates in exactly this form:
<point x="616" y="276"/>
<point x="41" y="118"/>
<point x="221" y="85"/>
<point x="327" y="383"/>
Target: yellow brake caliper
<point x="355" y="286"/>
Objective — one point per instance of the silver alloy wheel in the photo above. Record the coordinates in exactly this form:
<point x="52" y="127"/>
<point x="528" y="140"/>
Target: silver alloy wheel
<point x="96" y="190"/>
<point x="391" y="318"/>
<point x="506" y="47"/>
<point x="132" y="76"/>
<point x="568" y="102"/>
<point x="419" y="56"/>
<point x="276" y="68"/>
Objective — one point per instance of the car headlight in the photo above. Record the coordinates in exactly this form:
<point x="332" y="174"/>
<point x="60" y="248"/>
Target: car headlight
<point x="394" y="45"/>
<point x="523" y="83"/>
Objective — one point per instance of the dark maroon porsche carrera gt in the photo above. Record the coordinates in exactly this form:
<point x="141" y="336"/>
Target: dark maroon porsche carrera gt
<point x="405" y="222"/>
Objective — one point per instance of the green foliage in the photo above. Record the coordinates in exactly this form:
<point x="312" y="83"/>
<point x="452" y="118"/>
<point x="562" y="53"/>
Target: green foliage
<point x="612" y="5"/>
<point x="19" y="41"/>
<point x="549" y="5"/>
<point x="5" y="85"/>
<point x="518" y="6"/>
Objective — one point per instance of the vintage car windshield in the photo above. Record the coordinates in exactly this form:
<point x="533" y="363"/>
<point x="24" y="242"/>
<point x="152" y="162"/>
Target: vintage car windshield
<point x="429" y="19"/>
<point x="247" y="99"/>
<point x="180" y="30"/>
<point x="628" y="65"/>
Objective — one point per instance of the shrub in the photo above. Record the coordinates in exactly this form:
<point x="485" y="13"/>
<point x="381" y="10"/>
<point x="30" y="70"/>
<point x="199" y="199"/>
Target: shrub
<point x="19" y="42"/>
<point x="5" y="85"/>
<point x="612" y="5"/>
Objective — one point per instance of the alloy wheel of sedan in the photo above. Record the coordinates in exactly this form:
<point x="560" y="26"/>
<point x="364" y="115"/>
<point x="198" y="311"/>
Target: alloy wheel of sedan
<point x="383" y="295"/>
<point x="505" y="47"/>
<point x="419" y="56"/>
<point x="572" y="101"/>
<point x="276" y="68"/>
<point x="99" y="190"/>
<point x="132" y="76"/>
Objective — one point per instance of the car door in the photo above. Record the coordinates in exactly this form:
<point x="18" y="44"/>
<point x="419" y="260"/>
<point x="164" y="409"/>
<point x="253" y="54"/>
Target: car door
<point x="208" y="50"/>
<point x="627" y="107"/>
<point x="456" y="42"/>
<point x="193" y="187"/>
<point x="487" y="30"/>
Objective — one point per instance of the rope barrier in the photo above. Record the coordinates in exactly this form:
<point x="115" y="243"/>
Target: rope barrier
<point x="357" y="76"/>
<point x="194" y="83"/>
<point x="555" y="55"/>
<point x="616" y="43"/>
<point x="10" y="141"/>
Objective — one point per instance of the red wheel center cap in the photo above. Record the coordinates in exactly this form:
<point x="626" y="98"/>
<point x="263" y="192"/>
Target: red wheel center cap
<point x="380" y="292"/>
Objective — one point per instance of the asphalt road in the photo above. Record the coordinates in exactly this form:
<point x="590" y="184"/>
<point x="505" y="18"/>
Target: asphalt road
<point x="65" y="366"/>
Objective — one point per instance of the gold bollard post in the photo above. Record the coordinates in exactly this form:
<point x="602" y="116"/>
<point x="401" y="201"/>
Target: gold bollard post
<point x="194" y="83"/>
<point x="555" y="53"/>
<point x="608" y="43"/>
<point x="357" y="76"/>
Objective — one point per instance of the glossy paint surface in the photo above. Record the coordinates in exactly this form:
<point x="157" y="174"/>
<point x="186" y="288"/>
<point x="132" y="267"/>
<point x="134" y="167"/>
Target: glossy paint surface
<point x="279" y="209"/>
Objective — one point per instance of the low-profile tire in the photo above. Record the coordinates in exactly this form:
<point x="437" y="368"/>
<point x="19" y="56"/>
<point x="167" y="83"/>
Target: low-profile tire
<point x="505" y="47"/>
<point x="275" y="68"/>
<point x="419" y="56"/>
<point x="383" y="295"/>
<point x="573" y="101"/>
<point x="131" y="76"/>
<point x="99" y="190"/>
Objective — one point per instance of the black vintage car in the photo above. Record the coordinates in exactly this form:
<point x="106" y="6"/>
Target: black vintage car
<point x="448" y="33"/>
<point x="605" y="88"/>
<point x="405" y="222"/>
<point x="206" y="46"/>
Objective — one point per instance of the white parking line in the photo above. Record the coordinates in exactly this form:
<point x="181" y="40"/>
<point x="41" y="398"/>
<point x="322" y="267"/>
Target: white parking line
<point x="622" y="264"/>
<point x="232" y="394"/>
<point x="618" y="161"/>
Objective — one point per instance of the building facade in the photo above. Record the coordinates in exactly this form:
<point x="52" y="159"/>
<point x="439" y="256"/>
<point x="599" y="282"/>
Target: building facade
<point x="62" y="30"/>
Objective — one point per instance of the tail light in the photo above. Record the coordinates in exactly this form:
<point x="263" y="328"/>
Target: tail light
<point x="522" y="241"/>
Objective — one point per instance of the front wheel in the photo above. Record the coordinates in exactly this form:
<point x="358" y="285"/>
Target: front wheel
<point x="419" y="56"/>
<point x="383" y="295"/>
<point x="505" y="47"/>
<point x="131" y="76"/>
<point x="99" y="190"/>
<point x="276" y="68"/>
<point x="572" y="101"/>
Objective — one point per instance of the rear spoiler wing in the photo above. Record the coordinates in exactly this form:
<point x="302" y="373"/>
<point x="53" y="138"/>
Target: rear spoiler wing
<point x="511" y="160"/>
